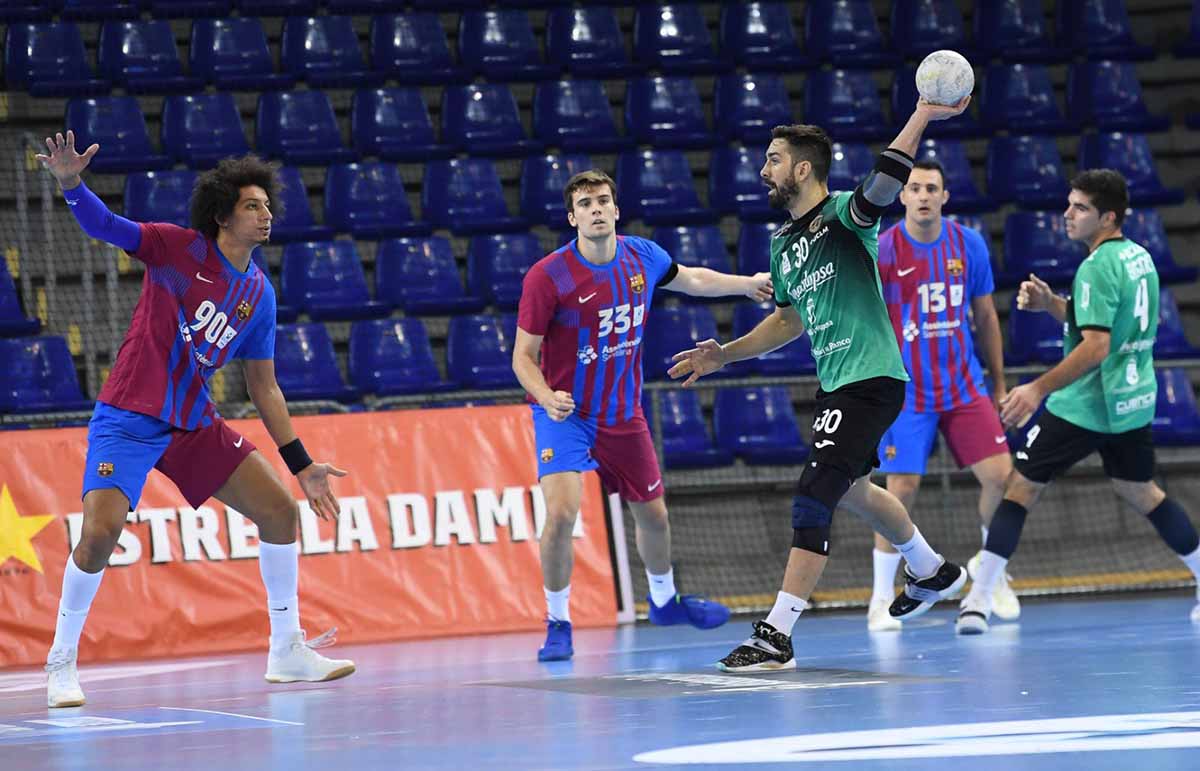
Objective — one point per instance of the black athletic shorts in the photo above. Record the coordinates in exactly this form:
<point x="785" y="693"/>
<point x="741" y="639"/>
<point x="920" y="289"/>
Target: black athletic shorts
<point x="1053" y="445"/>
<point x="849" y="422"/>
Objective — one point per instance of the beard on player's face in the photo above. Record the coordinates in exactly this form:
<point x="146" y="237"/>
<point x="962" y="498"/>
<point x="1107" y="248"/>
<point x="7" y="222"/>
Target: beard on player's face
<point x="780" y="196"/>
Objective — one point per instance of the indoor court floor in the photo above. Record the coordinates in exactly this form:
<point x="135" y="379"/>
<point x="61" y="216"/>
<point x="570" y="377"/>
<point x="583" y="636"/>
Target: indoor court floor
<point x="1107" y="683"/>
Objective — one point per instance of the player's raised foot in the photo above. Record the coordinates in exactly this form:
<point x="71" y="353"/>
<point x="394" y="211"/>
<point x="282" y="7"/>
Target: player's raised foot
<point x="1005" y="603"/>
<point x="973" y="615"/>
<point x="689" y="609"/>
<point x="766" y="650"/>
<point x="62" y="680"/>
<point x="558" y="645"/>
<point x="878" y="618"/>
<point x="297" y="661"/>
<point x="920" y="594"/>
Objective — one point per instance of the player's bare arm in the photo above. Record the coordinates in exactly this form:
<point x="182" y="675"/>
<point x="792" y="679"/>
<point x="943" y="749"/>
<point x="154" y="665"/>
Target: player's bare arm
<point x="557" y="404"/>
<point x="703" y="282"/>
<point x="991" y="345"/>
<point x="910" y="136"/>
<point x="775" y="331"/>
<point x="272" y="408"/>
<point x="1036" y="295"/>
<point x="1023" y="400"/>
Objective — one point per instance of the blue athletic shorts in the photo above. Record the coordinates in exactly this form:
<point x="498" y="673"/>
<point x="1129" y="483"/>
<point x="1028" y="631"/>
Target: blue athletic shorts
<point x="623" y="454"/>
<point x="122" y="448"/>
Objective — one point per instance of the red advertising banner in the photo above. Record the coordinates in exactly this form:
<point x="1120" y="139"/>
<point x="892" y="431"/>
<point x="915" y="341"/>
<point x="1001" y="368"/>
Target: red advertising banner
<point x="437" y="536"/>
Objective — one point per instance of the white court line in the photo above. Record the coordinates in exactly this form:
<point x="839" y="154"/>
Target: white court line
<point x="233" y="714"/>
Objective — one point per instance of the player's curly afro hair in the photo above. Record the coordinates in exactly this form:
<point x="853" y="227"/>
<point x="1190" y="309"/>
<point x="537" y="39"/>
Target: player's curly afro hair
<point x="217" y="191"/>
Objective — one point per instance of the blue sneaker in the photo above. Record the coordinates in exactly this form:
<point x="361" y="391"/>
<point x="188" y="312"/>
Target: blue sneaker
<point x="558" y="641"/>
<point x="689" y="609"/>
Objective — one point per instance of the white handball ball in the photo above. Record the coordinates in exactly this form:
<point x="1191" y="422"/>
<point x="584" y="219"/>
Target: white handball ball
<point x="945" y="77"/>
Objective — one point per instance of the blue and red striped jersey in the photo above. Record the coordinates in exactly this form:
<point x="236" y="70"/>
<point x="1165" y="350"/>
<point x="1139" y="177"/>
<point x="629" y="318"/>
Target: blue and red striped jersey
<point x="928" y="289"/>
<point x="591" y="319"/>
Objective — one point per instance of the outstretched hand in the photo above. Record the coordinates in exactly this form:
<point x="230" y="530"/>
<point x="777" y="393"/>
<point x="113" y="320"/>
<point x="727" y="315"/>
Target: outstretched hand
<point x="942" y="111"/>
<point x="707" y="357"/>
<point x="63" y="161"/>
<point x="314" y="481"/>
<point x="760" y="288"/>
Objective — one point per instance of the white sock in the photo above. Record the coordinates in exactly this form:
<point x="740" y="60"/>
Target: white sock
<point x="558" y="603"/>
<point x="78" y="590"/>
<point x="279" y="564"/>
<point x="1193" y="562"/>
<point x="886" y="563"/>
<point x="662" y="588"/>
<point x="919" y="555"/>
<point x="787" y="610"/>
<point x="983" y="530"/>
<point x="991" y="571"/>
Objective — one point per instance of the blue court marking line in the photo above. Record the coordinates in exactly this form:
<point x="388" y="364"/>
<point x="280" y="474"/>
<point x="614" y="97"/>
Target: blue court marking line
<point x="234" y="714"/>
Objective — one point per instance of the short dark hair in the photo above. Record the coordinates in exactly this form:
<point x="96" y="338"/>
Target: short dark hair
<point x="1106" y="189"/>
<point x="929" y="164"/>
<point x="586" y="179"/>
<point x="218" y="190"/>
<point x="808" y="143"/>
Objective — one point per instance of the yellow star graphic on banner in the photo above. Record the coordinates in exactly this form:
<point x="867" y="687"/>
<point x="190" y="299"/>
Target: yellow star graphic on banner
<point x="17" y="532"/>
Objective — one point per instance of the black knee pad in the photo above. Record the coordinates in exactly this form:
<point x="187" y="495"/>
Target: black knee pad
<point x="820" y="488"/>
<point x="813" y="539"/>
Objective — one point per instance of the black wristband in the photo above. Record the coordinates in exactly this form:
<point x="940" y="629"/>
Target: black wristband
<point x="295" y="456"/>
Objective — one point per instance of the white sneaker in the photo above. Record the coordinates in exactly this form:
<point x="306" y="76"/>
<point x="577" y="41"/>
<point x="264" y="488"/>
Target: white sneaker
<point x="973" y="615"/>
<point x="1196" y="613"/>
<point x="62" y="680"/>
<point x="878" y="618"/>
<point x="1005" y="604"/>
<point x="297" y="661"/>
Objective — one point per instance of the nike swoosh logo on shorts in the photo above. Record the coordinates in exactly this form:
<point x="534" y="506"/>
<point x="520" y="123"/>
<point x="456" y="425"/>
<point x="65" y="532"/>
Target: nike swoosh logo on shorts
<point x="238" y="443"/>
<point x="582" y="300"/>
<point x="905" y="272"/>
<point x="1001" y="439"/>
<point x="205" y="280"/>
<point x="651" y="487"/>
<point x="824" y="443"/>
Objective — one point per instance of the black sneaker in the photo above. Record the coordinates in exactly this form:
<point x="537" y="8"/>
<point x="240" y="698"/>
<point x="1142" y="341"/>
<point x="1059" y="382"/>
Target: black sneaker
<point x="919" y="595"/>
<point x="767" y="649"/>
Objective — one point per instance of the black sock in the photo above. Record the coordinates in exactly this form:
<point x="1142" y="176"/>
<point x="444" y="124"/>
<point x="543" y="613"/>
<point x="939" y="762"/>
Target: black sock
<point x="1173" y="525"/>
<point x="1005" y="530"/>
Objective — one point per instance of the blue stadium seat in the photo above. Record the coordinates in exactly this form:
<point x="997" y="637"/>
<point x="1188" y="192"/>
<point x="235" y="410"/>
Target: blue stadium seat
<point x="499" y="45"/>
<point x="1098" y="29"/>
<point x="672" y="329"/>
<point x="300" y="128"/>
<point x="656" y="187"/>
<point x="748" y="106"/>
<point x="1027" y="170"/>
<point x="233" y="54"/>
<point x="99" y="10"/>
<point x="1176" y="417"/>
<point x="673" y="38"/>
<point x="666" y="112"/>
<point x="306" y="366"/>
<point x="904" y="101"/>
<point x="852" y="162"/>
<point x="117" y="125"/>
<point x="412" y="48"/>
<point x="543" y="178"/>
<point x="39" y="376"/>
<point x="845" y="33"/>
<point x="365" y="7"/>
<point x="1145" y="227"/>
<point x="1107" y="95"/>
<point x="576" y="116"/>
<point x="13" y="321"/>
<point x="1021" y="95"/>
<point x="483" y="119"/>
<point x="201" y="129"/>
<point x="394" y="124"/>
<point x="1130" y="155"/>
<point x="964" y="195"/>
<point x="296" y="223"/>
<point x="159" y="196"/>
<point x="392" y="356"/>
<point x="795" y="358"/>
<point x="734" y="184"/>
<point x="189" y="9"/>
<point x="284" y="313"/>
<point x="325" y="280"/>
<point x="587" y="42"/>
<point x="1171" y="341"/>
<point x="685" y="439"/>
<point x="1190" y="47"/>
<point x="1033" y="338"/>
<point x="420" y="276"/>
<point x="323" y="51"/>
<point x="49" y="60"/>
<point x="760" y="35"/>
<point x="497" y="264"/>
<point x="754" y="246"/>
<point x="367" y="200"/>
<point x="27" y="11"/>
<point x="1036" y="242"/>
<point x="696" y="246"/>
<point x="973" y="221"/>
<point x="479" y="352"/>
<point x="920" y="27"/>
<point x="846" y="104"/>
<point x="464" y="195"/>
<point x="1015" y="31"/>
<point x="277" y="7"/>
<point x="141" y="57"/>
<point x="759" y="425"/>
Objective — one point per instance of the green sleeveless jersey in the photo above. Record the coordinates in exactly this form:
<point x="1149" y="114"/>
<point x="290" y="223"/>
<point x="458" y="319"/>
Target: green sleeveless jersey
<point x="825" y="265"/>
<point x="1116" y="289"/>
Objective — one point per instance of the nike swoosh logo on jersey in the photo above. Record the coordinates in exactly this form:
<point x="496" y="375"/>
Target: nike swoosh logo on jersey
<point x="238" y="443"/>
<point x="582" y="300"/>
<point x="824" y="443"/>
<point x="656" y="484"/>
<point x="1001" y="440"/>
<point x="1022" y="455"/>
<point x="205" y="280"/>
<point x="905" y="272"/>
